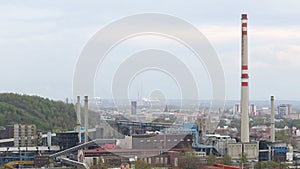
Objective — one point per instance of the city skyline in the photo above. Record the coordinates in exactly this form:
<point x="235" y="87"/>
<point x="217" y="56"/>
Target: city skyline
<point x="41" y="43"/>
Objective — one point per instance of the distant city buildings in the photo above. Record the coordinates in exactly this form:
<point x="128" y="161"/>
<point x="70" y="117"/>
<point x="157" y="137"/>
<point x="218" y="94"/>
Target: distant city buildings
<point x="236" y="110"/>
<point x="252" y="110"/>
<point x="283" y="110"/>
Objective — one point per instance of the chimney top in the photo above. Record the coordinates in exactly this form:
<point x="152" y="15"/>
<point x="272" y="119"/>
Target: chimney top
<point x="244" y="16"/>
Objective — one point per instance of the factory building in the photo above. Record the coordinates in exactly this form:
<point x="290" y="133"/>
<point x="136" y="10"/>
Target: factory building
<point x="24" y="135"/>
<point x="164" y="141"/>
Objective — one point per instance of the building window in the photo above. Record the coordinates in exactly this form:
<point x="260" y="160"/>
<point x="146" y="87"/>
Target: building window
<point x="157" y="160"/>
<point x="161" y="160"/>
<point x="166" y="160"/>
<point x="149" y="160"/>
<point x="176" y="162"/>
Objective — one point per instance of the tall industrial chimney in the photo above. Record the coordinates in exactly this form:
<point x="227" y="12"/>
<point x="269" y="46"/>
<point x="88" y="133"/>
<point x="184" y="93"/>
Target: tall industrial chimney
<point x="133" y="107"/>
<point x="78" y="119"/>
<point x="86" y="119"/>
<point x="244" y="84"/>
<point x="272" y="120"/>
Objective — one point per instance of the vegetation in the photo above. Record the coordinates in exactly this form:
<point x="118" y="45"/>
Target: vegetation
<point x="243" y="160"/>
<point x="211" y="159"/>
<point x="140" y="164"/>
<point x="190" y="161"/>
<point x="288" y="122"/>
<point x="266" y="164"/>
<point x="46" y="114"/>
<point x="100" y="165"/>
<point x="281" y="135"/>
<point x="227" y="160"/>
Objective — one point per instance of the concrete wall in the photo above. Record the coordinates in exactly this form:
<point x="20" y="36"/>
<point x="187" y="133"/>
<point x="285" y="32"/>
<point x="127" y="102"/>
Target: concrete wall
<point x="125" y="143"/>
<point x="234" y="150"/>
<point x="105" y="131"/>
<point x="252" y="150"/>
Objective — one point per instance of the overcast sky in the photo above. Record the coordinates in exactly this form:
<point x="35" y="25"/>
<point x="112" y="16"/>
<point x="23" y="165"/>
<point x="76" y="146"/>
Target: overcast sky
<point x="40" y="42"/>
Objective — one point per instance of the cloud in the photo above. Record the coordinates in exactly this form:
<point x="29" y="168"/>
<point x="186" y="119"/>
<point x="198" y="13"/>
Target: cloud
<point x="26" y="13"/>
<point x="290" y="54"/>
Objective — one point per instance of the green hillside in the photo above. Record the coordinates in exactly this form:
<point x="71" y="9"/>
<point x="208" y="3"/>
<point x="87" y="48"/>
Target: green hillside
<point x="46" y="114"/>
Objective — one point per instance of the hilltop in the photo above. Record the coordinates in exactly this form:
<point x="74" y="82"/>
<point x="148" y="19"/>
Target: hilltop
<point x="46" y="114"/>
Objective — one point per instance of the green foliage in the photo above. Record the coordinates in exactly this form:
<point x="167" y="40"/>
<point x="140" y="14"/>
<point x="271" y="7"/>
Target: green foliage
<point x="222" y="123"/>
<point x="100" y="165"/>
<point x="140" y="164"/>
<point x="288" y="122"/>
<point x="189" y="161"/>
<point x="211" y="159"/>
<point x="46" y="114"/>
<point x="235" y="123"/>
<point x="280" y="135"/>
<point x="259" y="121"/>
<point x="243" y="159"/>
<point x="266" y="164"/>
<point x="227" y="160"/>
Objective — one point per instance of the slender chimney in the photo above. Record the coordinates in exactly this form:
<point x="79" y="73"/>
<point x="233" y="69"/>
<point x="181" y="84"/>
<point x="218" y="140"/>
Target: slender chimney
<point x="272" y="120"/>
<point x="86" y="119"/>
<point x="244" y="83"/>
<point x="133" y="107"/>
<point x="78" y="119"/>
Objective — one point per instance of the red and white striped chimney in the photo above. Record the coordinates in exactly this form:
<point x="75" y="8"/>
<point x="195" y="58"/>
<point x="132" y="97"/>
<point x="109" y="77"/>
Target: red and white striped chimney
<point x="244" y="83"/>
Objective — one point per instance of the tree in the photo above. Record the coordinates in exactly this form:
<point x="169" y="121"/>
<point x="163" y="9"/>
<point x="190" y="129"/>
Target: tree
<point x="101" y="165"/>
<point x="222" y="123"/>
<point x="211" y="159"/>
<point x="140" y="164"/>
<point x="190" y="161"/>
<point x="266" y="164"/>
<point x="243" y="159"/>
<point x="280" y="135"/>
<point x="46" y="114"/>
<point x="227" y="160"/>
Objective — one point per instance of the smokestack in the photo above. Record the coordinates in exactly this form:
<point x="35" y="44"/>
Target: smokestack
<point x="49" y="139"/>
<point x="244" y="83"/>
<point x="78" y="119"/>
<point x="272" y="120"/>
<point x="86" y="118"/>
<point x="133" y="107"/>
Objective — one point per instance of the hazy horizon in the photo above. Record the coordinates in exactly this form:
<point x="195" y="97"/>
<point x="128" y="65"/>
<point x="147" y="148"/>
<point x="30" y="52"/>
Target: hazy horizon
<point x="41" y="43"/>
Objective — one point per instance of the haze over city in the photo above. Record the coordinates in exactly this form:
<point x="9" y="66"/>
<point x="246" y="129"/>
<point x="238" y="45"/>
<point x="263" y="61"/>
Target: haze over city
<point x="41" y="42"/>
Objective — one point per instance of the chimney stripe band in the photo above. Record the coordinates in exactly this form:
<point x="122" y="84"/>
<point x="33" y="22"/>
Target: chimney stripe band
<point x="244" y="83"/>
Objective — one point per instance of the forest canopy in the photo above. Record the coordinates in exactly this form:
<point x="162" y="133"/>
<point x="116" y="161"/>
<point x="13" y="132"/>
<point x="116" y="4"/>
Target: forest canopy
<point x="46" y="114"/>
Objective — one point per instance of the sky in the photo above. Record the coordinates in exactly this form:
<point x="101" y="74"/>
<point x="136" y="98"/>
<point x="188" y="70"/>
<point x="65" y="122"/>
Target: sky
<point x="41" y="41"/>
